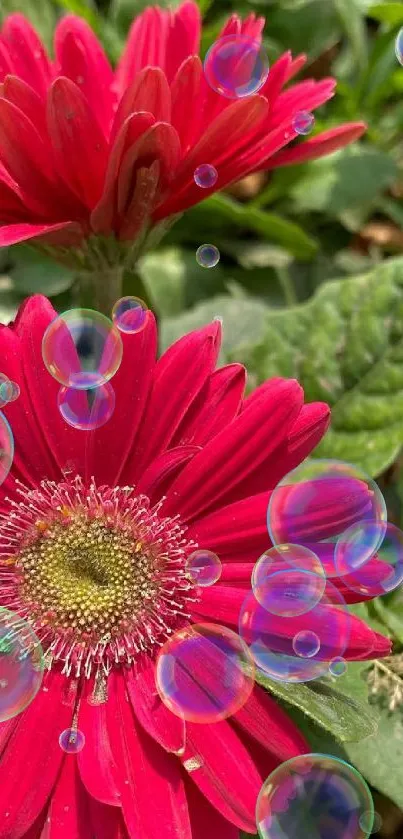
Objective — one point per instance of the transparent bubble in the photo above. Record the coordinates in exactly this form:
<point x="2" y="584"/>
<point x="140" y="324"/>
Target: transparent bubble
<point x="203" y="567"/>
<point x="130" y="314"/>
<point x="6" y="448"/>
<point x="303" y="122"/>
<point x="205" y="175"/>
<point x="72" y="741"/>
<point x="82" y="349"/>
<point x="270" y="637"/>
<point x="9" y="391"/>
<point x="204" y="673"/>
<point x="338" y="667"/>
<point x="236" y="66"/>
<point x="315" y="503"/>
<point x="21" y="664"/>
<point x="371" y="822"/>
<point x="316" y="796"/>
<point x="288" y="580"/>
<point x="399" y="46"/>
<point x="208" y="256"/>
<point x="306" y="644"/>
<point x="86" y="410"/>
<point x="354" y="550"/>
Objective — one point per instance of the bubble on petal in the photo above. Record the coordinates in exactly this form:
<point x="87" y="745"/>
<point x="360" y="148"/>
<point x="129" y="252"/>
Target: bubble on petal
<point x="236" y="66"/>
<point x="204" y="673"/>
<point x="303" y="122"/>
<point x="399" y="46"/>
<point x="337" y="667"/>
<point x="6" y="448"/>
<point x="208" y="256"/>
<point x="72" y="741"/>
<point x="355" y="549"/>
<point x="316" y="796"/>
<point x="203" y="567"/>
<point x="315" y="503"/>
<point x="288" y="580"/>
<point x="306" y="643"/>
<point x="270" y="637"/>
<point x="205" y="175"/>
<point x="130" y="315"/>
<point x="6" y="390"/>
<point x="82" y="349"/>
<point x="21" y="664"/>
<point x="86" y="410"/>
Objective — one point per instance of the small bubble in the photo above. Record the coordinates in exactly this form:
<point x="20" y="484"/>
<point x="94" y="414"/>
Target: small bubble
<point x="205" y="176"/>
<point x="203" y="568"/>
<point x="72" y="740"/>
<point x="303" y="122"/>
<point x="86" y="410"/>
<point x="130" y="314"/>
<point x="306" y="644"/>
<point x="236" y="66"/>
<point x="399" y="46"/>
<point x="337" y="666"/>
<point x="208" y="256"/>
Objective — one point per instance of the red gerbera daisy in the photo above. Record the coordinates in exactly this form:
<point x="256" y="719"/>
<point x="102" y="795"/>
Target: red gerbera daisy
<point x="98" y="159"/>
<point x="183" y="461"/>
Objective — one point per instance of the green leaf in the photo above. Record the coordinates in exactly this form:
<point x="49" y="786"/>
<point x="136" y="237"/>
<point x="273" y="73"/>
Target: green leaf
<point x="175" y="281"/>
<point x="380" y="758"/>
<point x="342" y="709"/>
<point x="353" y="23"/>
<point x="350" y="178"/>
<point x="345" y="345"/>
<point x="270" y="226"/>
<point x="33" y="273"/>
<point x="387" y="13"/>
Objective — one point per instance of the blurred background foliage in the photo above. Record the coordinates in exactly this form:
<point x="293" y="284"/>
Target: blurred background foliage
<point x="310" y="283"/>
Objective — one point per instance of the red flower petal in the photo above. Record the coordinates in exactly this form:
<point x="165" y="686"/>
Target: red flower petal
<point x="240" y="529"/>
<point x="216" y="405"/>
<point x="148" y="92"/>
<point x="238" y="449"/>
<point x="106" y="822"/>
<point x="268" y="723"/>
<point x="27" y="53"/>
<point x="27" y="100"/>
<point x="68" y="812"/>
<point x="64" y="233"/>
<point x="163" y="726"/>
<point x="96" y="762"/>
<point x="187" y="113"/>
<point x="75" y="136"/>
<point x="319" y="146"/>
<point x="179" y="375"/>
<point x="160" y="142"/>
<point x="82" y="59"/>
<point x="34" y="743"/>
<point x="183" y="36"/>
<point x="160" y="474"/>
<point x="205" y="819"/>
<point x="145" y="46"/>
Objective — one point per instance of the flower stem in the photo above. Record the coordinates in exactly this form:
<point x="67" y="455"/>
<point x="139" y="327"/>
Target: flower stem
<point x="100" y="289"/>
<point x="287" y="286"/>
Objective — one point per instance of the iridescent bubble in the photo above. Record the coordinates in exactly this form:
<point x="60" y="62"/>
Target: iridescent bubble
<point x="86" y="410"/>
<point x="399" y="46"/>
<point x="338" y="667"/>
<point x="306" y="644"/>
<point x="315" y="503"/>
<point x="82" y="349"/>
<point x="6" y="448"/>
<point x="208" y="256"/>
<point x="21" y="664"/>
<point x="371" y="822"/>
<point x="205" y="175"/>
<point x="270" y="637"/>
<point x="6" y="390"/>
<point x="204" y="673"/>
<point x="288" y="580"/>
<point x="130" y="314"/>
<point x="316" y="796"/>
<point x="303" y="122"/>
<point x="236" y="66"/>
<point x="203" y="567"/>
<point x="72" y="741"/>
<point x="15" y="391"/>
<point x="355" y="549"/>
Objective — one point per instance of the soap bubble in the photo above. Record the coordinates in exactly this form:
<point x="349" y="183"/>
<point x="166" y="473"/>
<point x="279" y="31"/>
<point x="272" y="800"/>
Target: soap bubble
<point x="130" y="314"/>
<point x="208" y="256"/>
<point x="316" y="796"/>
<point x="6" y="448"/>
<point x="72" y="741"/>
<point x="203" y="567"/>
<point x="354" y="549"/>
<point x="9" y="391"/>
<point x="236" y="66"/>
<point x="86" y="410"/>
<point x="205" y="176"/>
<point x="204" y="673"/>
<point x="288" y="580"/>
<point x="270" y="637"/>
<point x="315" y="503"/>
<point x="82" y="349"/>
<point x="21" y="664"/>
<point x="338" y="667"/>
<point x="303" y="122"/>
<point x="399" y="46"/>
<point x="306" y="644"/>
